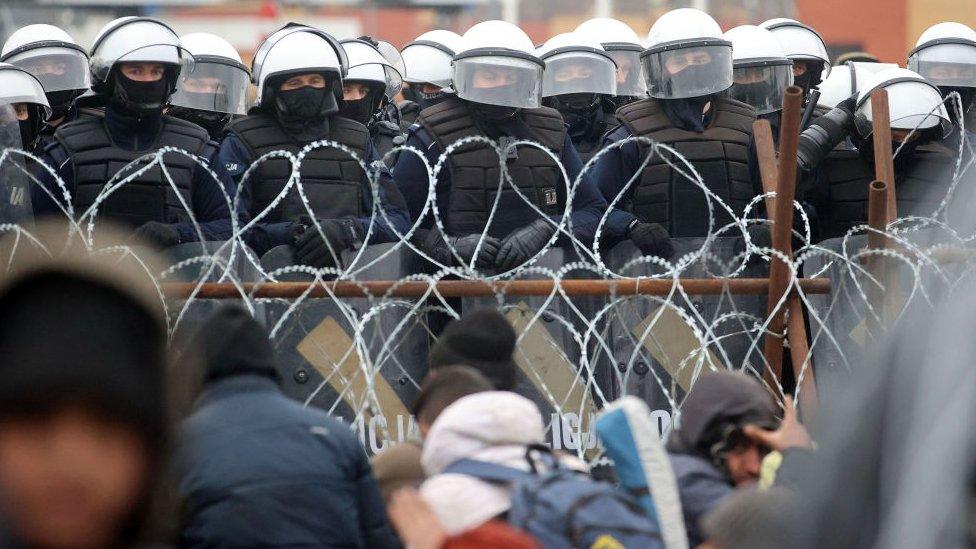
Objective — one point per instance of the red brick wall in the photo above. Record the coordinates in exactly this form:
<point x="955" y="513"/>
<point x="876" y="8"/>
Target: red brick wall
<point x="880" y="26"/>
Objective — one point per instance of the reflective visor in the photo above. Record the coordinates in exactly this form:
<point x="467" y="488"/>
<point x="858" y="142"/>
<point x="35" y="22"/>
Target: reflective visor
<point x="628" y="71"/>
<point x="579" y="72"/>
<point x="946" y="64"/>
<point x="58" y="68"/>
<point x="680" y="71"/>
<point x="497" y="80"/>
<point x="213" y="87"/>
<point x="762" y="86"/>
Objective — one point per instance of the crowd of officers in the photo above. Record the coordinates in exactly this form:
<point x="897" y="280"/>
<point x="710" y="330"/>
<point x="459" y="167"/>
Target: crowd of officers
<point x="95" y="117"/>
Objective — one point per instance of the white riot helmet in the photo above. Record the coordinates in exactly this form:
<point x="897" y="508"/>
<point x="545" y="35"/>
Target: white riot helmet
<point x="761" y="72"/>
<point x="428" y="58"/>
<point x="803" y="44"/>
<point x="576" y="63"/>
<point x="496" y="65"/>
<point x="20" y="89"/>
<point x="624" y="46"/>
<point x="945" y="55"/>
<point x="219" y="80"/>
<point x="298" y="49"/>
<point x="51" y="55"/>
<point x="847" y="79"/>
<point x="134" y="40"/>
<point x="686" y="56"/>
<point x="913" y="103"/>
<point x="369" y="67"/>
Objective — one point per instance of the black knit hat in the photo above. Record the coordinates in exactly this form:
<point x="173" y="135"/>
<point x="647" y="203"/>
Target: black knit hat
<point x="231" y="343"/>
<point x="482" y="339"/>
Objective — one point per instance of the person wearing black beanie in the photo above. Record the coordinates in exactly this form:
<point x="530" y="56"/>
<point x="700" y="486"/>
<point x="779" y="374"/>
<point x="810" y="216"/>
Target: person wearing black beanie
<point x="482" y="339"/>
<point x="258" y="469"/>
<point x="83" y="418"/>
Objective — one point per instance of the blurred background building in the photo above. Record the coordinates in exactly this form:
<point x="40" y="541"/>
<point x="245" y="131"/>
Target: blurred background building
<point x="887" y="28"/>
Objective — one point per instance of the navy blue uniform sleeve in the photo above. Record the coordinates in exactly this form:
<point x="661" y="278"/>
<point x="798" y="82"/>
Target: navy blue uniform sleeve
<point x="42" y="203"/>
<point x="410" y="173"/>
<point x="210" y="205"/>
<point x="588" y="204"/>
<point x="393" y="212"/>
<point x="612" y="172"/>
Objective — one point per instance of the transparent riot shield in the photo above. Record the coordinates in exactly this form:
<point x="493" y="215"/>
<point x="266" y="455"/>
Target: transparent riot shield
<point x="15" y="203"/>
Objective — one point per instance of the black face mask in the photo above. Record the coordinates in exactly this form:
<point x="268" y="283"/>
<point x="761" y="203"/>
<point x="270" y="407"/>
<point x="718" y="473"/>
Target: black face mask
<point x="426" y="100"/>
<point x="140" y="98"/>
<point x="360" y="110"/>
<point x="303" y="103"/>
<point x="687" y="114"/>
<point x="968" y="96"/>
<point x="753" y="93"/>
<point x="60" y="102"/>
<point x="213" y="122"/>
<point x="809" y="79"/>
<point x="579" y="110"/>
<point x="611" y="103"/>
<point x="492" y="113"/>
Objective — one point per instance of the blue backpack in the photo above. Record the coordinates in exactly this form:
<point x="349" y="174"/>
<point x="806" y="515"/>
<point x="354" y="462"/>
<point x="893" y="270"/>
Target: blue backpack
<point x="562" y="508"/>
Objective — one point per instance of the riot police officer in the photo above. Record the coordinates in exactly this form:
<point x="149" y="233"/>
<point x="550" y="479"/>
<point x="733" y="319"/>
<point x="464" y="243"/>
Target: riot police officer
<point x="61" y="65"/>
<point x="428" y="71"/>
<point x="370" y="85"/>
<point x="688" y="67"/>
<point x="761" y="72"/>
<point x="579" y="74"/>
<point x="923" y="165"/>
<point x="25" y="94"/>
<point x="623" y="45"/>
<point x="299" y="74"/>
<point x="807" y="50"/>
<point x="945" y="55"/>
<point x="498" y="84"/>
<point x="216" y="89"/>
<point x="135" y="65"/>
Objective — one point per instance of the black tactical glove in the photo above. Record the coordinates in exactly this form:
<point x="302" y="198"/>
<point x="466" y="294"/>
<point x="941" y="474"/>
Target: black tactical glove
<point x="849" y="104"/>
<point x="311" y="250"/>
<point x="158" y="234"/>
<point x="440" y="249"/>
<point x="520" y="245"/>
<point x="651" y="239"/>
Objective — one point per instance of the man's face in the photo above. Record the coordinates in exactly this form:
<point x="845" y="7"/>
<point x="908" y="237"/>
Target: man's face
<point x="494" y="77"/>
<point x="679" y="61"/>
<point x="143" y="72"/>
<point x="749" y="76"/>
<point x="429" y="88"/>
<point x="70" y="479"/>
<point x="42" y="67"/>
<point x="314" y="80"/>
<point x="354" y="91"/>
<point x="743" y="463"/>
<point x="624" y="63"/>
<point x="569" y="73"/>
<point x="203" y="84"/>
<point x="899" y="136"/>
<point x="951" y="73"/>
<point x="22" y="111"/>
<point x="800" y="67"/>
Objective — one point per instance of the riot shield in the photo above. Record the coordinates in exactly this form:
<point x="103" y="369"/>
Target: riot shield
<point x="15" y="203"/>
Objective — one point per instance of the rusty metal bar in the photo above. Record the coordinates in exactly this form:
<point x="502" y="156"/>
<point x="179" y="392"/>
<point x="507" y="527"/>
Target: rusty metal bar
<point x="884" y="162"/>
<point x="782" y="216"/>
<point x="480" y="288"/>
<point x="878" y="219"/>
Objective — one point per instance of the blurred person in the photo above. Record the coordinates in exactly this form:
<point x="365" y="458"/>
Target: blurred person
<point x="24" y="93"/>
<point x="945" y="55"/>
<point x="299" y="74"/>
<point x="752" y="519"/>
<point x="838" y="174"/>
<point x="419" y="528"/>
<point x="399" y="466"/>
<point x="688" y="68"/>
<point x="498" y="92"/>
<point x="579" y="75"/>
<point x="258" y="469"/>
<point x="84" y="428"/>
<point x="482" y="339"/>
<point x="428" y="77"/>
<point x="58" y="62"/>
<point x="136" y="63"/>
<point x="807" y="50"/>
<point x="215" y="91"/>
<point x="370" y="85"/>
<point x="854" y="57"/>
<point x="624" y="46"/>
<point x="727" y="427"/>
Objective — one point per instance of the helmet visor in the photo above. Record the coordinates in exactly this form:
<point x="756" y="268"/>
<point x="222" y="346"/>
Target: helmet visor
<point x="912" y="104"/>
<point x="628" y="72"/>
<point x="153" y="54"/>
<point x="761" y="86"/>
<point x="579" y="72"/>
<point x="376" y="73"/>
<point x="9" y="127"/>
<point x="427" y="64"/>
<point x="946" y="64"/>
<point x="17" y="87"/>
<point x="502" y="81"/>
<point x="213" y="87"/>
<point x="690" y="71"/>
<point x="57" y="68"/>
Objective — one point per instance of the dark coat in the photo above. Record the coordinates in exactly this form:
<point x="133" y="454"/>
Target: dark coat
<point x="261" y="470"/>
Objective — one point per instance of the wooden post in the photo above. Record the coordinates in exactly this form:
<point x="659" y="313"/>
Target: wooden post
<point x="878" y="220"/>
<point x="782" y="217"/>
<point x="884" y="162"/>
